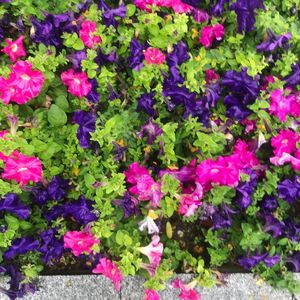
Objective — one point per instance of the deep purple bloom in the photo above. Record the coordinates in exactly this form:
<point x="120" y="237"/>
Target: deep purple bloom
<point x="119" y="151"/>
<point x="294" y="78"/>
<point x="152" y="131"/>
<point x="289" y="190"/>
<point x="237" y="107"/>
<point x="273" y="226"/>
<point x="269" y="204"/>
<point x="12" y="204"/>
<point x="292" y="231"/>
<point x="81" y="210"/>
<point x="136" y="57"/>
<point x="222" y="217"/>
<point x="51" y="247"/>
<point x="250" y="262"/>
<point x="212" y="94"/>
<point x="87" y="124"/>
<point x="197" y="109"/>
<point x="57" y="188"/>
<point x="112" y="93"/>
<point x="146" y="103"/>
<point x="5" y="1"/>
<point x="245" y="10"/>
<point x="55" y="212"/>
<point x="103" y="59"/>
<point x="218" y="8"/>
<point x="82" y="7"/>
<point x="76" y="58"/>
<point x="93" y="95"/>
<point x="274" y="41"/>
<point x="109" y="14"/>
<point x="21" y="246"/>
<point x="194" y="3"/>
<point x="128" y="204"/>
<point x="40" y="195"/>
<point x="200" y="15"/>
<point x="270" y="261"/>
<point x="293" y="261"/>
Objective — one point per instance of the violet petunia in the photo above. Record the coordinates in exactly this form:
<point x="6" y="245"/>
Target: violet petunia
<point x="76" y="58"/>
<point x="152" y="131"/>
<point x="57" y="188"/>
<point x="269" y="204"/>
<point x="273" y="41"/>
<point x="293" y="261"/>
<point x="218" y="8"/>
<point x="194" y="3"/>
<point x="136" y="57"/>
<point x="289" y="190"/>
<point x="87" y="124"/>
<point x="292" y="231"/>
<point x="294" y="78"/>
<point x="93" y="96"/>
<point x="128" y="204"/>
<point x="273" y="226"/>
<point x="12" y="204"/>
<point x="146" y="103"/>
<point x="250" y="262"/>
<point x="102" y="59"/>
<point x="109" y="14"/>
<point x="39" y="194"/>
<point x="21" y="246"/>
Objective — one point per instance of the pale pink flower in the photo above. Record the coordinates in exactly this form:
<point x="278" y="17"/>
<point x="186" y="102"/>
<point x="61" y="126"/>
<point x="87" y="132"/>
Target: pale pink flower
<point x="211" y="33"/>
<point x="154" y="252"/>
<point x="110" y="270"/>
<point x="22" y="168"/>
<point x="187" y="291"/>
<point x="281" y="106"/>
<point x="14" y="49"/>
<point x="77" y="83"/>
<point x="151" y="295"/>
<point x="79" y="242"/>
<point x="211" y="76"/>
<point x="287" y="158"/>
<point x="285" y="142"/>
<point x="87" y="34"/>
<point x="154" y="56"/>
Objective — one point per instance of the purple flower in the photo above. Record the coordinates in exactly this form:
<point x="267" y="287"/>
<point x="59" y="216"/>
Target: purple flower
<point x="135" y="60"/>
<point x="212" y="94"/>
<point x="293" y="261"/>
<point x="152" y="131"/>
<point x="12" y="204"/>
<point x="250" y="262"/>
<point x="218" y="8"/>
<point x="194" y="3"/>
<point x="289" y="190"/>
<point x="81" y="210"/>
<point x="237" y="107"/>
<point x="128" y="204"/>
<point x="273" y="226"/>
<point x="93" y="95"/>
<point x="222" y="217"/>
<point x="5" y="1"/>
<point x="55" y="212"/>
<point x="269" y="204"/>
<point x="294" y="78"/>
<point x="21" y="246"/>
<point x="292" y="231"/>
<point x="200" y="15"/>
<point x="270" y="261"/>
<point x="57" y="188"/>
<point x="109" y="15"/>
<point x="82" y="7"/>
<point x="76" y="58"/>
<point x="197" y="109"/>
<point x="245" y="10"/>
<point x="51" y="247"/>
<point x="119" y="151"/>
<point x="274" y="41"/>
<point x="146" y="103"/>
<point x="40" y="194"/>
<point x="112" y="93"/>
<point x="87" y="124"/>
<point x="103" y="59"/>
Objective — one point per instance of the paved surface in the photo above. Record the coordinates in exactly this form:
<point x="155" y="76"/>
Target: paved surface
<point x="238" y="287"/>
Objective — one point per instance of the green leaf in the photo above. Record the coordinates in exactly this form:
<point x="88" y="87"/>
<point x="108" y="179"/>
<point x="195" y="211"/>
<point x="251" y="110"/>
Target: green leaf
<point x="12" y="222"/>
<point x="56" y="116"/>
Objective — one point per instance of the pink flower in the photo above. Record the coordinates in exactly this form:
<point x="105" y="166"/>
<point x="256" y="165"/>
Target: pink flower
<point x="14" y="49"/>
<point x="211" y="76"/>
<point x="6" y="91"/>
<point x="281" y="105"/>
<point x="268" y="79"/>
<point x="287" y="158"/>
<point x="134" y="173"/>
<point x="22" y="168"/>
<point x="154" y="56"/>
<point x="250" y="125"/>
<point x="187" y="291"/>
<point x="151" y="295"/>
<point x="210" y="33"/>
<point x="180" y="7"/>
<point x="110" y="270"/>
<point x="285" y="142"/>
<point x="190" y="202"/>
<point x="87" y="35"/>
<point x="79" y="242"/>
<point x="77" y="83"/>
<point x="154" y="253"/>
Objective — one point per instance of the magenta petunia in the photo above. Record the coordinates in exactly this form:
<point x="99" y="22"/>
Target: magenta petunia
<point x="80" y="242"/>
<point x="187" y="291"/>
<point x="77" y="83"/>
<point x="110" y="270"/>
<point x="22" y="168"/>
<point x="154" y="56"/>
<point x="151" y="295"/>
<point x="285" y="142"/>
<point x="211" y="33"/>
<point x="14" y="49"/>
<point x="87" y="34"/>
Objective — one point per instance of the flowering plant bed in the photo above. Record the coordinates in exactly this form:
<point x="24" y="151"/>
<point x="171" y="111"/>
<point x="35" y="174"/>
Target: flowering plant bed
<point x="149" y="137"/>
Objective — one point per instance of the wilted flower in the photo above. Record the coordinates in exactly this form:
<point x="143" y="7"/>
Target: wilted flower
<point x="149" y="224"/>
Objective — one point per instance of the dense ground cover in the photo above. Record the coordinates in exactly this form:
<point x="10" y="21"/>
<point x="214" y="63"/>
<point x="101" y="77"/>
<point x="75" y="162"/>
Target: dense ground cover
<point x="149" y="137"/>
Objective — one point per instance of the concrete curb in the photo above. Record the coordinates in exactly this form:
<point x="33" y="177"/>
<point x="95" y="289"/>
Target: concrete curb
<point x="95" y="287"/>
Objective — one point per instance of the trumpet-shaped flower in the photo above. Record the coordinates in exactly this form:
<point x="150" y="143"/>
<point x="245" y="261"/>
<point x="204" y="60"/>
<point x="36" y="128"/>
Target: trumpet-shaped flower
<point x="187" y="291"/>
<point x="149" y="224"/>
<point x="211" y="33"/>
<point x="110" y="270"/>
<point x="154" y="56"/>
<point x="87" y="34"/>
<point x="14" y="49"/>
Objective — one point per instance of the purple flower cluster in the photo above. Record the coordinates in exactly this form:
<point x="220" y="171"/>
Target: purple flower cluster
<point x="12" y="204"/>
<point x="273" y="41"/>
<point x="109" y="15"/>
<point x="250" y="262"/>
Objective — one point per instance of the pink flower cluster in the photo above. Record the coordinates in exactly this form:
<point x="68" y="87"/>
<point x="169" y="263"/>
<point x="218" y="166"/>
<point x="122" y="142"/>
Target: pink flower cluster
<point x="77" y="83"/>
<point x="226" y="170"/>
<point x="22" y="85"/>
<point x="211" y="76"/>
<point x="144" y="186"/>
<point x="151" y="295"/>
<point x="80" y="242"/>
<point x="154" y="253"/>
<point x="186" y="291"/>
<point x="110" y="270"/>
<point x="87" y="34"/>
<point x="285" y="149"/>
<point x="282" y="105"/>
<point x="211" y="33"/>
<point x="154" y="56"/>
<point x="14" y="49"/>
<point x="21" y="168"/>
<point x="177" y="5"/>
